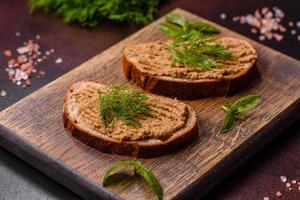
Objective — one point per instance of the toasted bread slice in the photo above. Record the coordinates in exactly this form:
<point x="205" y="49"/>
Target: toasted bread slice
<point x="169" y="125"/>
<point x="149" y="65"/>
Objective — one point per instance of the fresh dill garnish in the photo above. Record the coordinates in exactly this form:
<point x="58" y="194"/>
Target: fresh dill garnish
<point x="123" y="103"/>
<point x="92" y="12"/>
<point x="194" y="44"/>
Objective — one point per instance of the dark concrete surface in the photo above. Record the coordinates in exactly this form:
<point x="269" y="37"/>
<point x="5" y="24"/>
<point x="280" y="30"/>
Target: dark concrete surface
<point x="257" y="178"/>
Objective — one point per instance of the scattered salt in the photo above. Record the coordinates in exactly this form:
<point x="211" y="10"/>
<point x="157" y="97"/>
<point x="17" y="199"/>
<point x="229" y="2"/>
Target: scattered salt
<point x="294" y="181"/>
<point x="288" y="185"/>
<point x="38" y="37"/>
<point x="293" y="32"/>
<point x="18" y="34"/>
<point x="266" y="198"/>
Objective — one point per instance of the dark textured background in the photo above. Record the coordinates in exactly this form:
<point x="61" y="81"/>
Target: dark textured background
<point x="257" y="178"/>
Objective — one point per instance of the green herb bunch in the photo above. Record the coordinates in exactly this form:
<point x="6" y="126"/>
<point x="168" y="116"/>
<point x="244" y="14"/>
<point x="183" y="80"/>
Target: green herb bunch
<point x="194" y="43"/>
<point x="123" y="103"/>
<point x="139" y="170"/>
<point x="91" y="12"/>
<point x="235" y="111"/>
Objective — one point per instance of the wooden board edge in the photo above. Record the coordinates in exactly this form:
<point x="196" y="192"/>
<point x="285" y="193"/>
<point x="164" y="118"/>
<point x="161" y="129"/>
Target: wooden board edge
<point x="30" y="154"/>
<point x="53" y="168"/>
<point x="241" y="154"/>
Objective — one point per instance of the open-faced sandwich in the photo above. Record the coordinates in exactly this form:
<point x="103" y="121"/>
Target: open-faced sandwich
<point x="194" y="64"/>
<point x="119" y="119"/>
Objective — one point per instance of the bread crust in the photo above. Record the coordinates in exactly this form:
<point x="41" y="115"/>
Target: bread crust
<point x="133" y="148"/>
<point x="183" y="88"/>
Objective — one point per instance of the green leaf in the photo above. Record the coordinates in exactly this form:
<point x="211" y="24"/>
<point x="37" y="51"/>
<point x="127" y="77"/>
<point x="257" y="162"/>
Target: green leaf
<point x="139" y="170"/>
<point x="151" y="180"/>
<point x="235" y="111"/>
<point x="246" y="103"/>
<point x="229" y="122"/>
<point x="170" y="30"/>
<point x="116" y="167"/>
<point x="176" y="18"/>
<point x="203" y="27"/>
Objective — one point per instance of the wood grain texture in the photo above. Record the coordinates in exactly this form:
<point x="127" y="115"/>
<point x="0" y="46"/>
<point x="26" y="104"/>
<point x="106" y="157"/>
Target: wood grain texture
<point x="37" y="120"/>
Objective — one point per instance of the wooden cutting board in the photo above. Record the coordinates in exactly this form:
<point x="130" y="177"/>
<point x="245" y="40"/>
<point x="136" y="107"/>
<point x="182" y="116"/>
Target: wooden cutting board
<point x="33" y="128"/>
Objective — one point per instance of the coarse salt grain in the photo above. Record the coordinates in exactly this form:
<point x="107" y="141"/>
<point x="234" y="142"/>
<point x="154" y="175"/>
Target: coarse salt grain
<point x="298" y="37"/>
<point x="7" y="53"/>
<point x="3" y="93"/>
<point x="299" y="188"/>
<point x="58" y="60"/>
<point x="266" y="198"/>
<point x="223" y="16"/>
<point x="261" y="37"/>
<point x="288" y="185"/>
<point x="290" y="189"/>
<point x="22" y="50"/>
<point x="38" y="37"/>
<point x="18" y="34"/>
<point x="293" y="32"/>
<point x="294" y="181"/>
<point x="278" y="194"/>
<point x="283" y="178"/>
<point x="298" y="24"/>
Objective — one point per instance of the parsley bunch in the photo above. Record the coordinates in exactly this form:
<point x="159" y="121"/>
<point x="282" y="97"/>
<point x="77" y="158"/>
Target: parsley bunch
<point x="91" y="12"/>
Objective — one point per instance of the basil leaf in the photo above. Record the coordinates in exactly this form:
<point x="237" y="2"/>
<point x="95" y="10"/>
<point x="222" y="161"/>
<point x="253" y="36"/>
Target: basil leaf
<point x="170" y="30"/>
<point x="246" y="103"/>
<point x="203" y="27"/>
<point x="151" y="180"/>
<point x="176" y="19"/>
<point x="229" y="122"/>
<point x="139" y="170"/>
<point x="116" y="167"/>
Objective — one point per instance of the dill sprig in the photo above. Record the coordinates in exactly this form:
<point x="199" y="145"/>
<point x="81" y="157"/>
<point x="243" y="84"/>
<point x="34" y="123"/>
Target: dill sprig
<point x="91" y="12"/>
<point x="123" y="103"/>
<point x="195" y="50"/>
<point x="194" y="44"/>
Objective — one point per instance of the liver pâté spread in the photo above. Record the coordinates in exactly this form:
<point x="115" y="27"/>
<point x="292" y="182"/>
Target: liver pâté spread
<point x="167" y="116"/>
<point x="153" y="58"/>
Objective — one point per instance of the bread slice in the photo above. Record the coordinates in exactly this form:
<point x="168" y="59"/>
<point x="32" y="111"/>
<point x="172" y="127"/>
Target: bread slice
<point x="149" y="65"/>
<point x="169" y="125"/>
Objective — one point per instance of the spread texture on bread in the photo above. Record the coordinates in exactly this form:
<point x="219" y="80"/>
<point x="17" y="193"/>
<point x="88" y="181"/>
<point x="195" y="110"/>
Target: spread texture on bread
<point x="169" y="124"/>
<point x="149" y="64"/>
